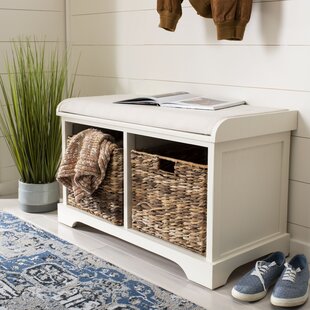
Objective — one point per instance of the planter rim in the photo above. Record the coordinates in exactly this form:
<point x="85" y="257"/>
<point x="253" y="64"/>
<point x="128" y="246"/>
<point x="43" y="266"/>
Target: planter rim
<point x="41" y="187"/>
<point x="37" y="183"/>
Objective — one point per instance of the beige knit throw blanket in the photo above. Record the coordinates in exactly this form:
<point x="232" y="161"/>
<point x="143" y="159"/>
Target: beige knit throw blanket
<point x="85" y="161"/>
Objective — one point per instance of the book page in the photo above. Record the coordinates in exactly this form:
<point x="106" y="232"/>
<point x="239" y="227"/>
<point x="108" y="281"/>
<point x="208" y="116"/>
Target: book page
<point x="172" y="97"/>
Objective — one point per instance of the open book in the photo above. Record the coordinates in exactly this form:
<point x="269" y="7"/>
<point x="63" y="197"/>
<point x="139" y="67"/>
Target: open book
<point x="183" y="100"/>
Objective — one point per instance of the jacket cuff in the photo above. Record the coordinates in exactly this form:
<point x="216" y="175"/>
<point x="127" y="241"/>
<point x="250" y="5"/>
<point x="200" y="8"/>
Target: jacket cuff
<point x="231" y="31"/>
<point x="169" y="21"/>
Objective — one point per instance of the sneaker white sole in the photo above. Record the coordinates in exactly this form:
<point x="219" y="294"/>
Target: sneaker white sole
<point x="248" y="297"/>
<point x="289" y="302"/>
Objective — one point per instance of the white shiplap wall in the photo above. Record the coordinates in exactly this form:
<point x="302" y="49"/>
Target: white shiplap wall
<point x="44" y="20"/>
<point x="122" y="50"/>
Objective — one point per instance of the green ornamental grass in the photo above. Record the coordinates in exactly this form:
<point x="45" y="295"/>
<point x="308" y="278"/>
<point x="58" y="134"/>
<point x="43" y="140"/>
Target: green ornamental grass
<point x="37" y="82"/>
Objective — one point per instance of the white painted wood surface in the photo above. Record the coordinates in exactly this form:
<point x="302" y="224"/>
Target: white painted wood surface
<point x="149" y="62"/>
<point x="33" y="5"/>
<point x="270" y="67"/>
<point x="217" y="126"/>
<point x="273" y="23"/>
<point x="45" y="24"/>
<point x="247" y="179"/>
<point x="299" y="193"/>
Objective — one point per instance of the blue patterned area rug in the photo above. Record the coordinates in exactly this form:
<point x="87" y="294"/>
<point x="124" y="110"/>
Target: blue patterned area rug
<point x="40" y="271"/>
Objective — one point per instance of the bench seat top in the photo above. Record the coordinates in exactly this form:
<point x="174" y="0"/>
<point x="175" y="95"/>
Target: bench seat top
<point x="186" y="120"/>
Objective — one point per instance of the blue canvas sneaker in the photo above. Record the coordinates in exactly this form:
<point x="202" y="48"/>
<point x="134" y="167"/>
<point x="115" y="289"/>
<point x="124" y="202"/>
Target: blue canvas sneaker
<point x="254" y="284"/>
<point x="292" y="288"/>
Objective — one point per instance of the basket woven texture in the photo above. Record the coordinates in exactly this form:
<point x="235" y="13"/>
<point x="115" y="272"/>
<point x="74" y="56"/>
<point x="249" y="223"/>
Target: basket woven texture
<point x="170" y="205"/>
<point x="107" y="201"/>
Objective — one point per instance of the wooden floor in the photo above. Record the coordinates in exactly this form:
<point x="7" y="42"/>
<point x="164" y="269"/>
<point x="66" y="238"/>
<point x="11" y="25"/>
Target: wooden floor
<point x="142" y="263"/>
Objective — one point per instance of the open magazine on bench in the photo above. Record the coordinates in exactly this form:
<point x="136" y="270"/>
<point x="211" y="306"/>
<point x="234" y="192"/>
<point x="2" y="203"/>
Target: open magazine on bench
<point x="182" y="100"/>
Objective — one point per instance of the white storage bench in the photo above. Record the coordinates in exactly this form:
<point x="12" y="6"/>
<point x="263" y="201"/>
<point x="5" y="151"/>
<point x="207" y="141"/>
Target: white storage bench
<point x="247" y="184"/>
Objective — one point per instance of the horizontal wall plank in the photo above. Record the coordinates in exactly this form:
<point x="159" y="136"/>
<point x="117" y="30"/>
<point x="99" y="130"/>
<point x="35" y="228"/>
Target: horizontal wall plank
<point x="248" y="66"/>
<point x="8" y="174"/>
<point x="300" y="240"/>
<point x="95" y="86"/>
<point x="6" y="49"/>
<point x="118" y="28"/>
<point x="266" y="26"/>
<point x="49" y="26"/>
<point x="300" y="158"/>
<point x="8" y="180"/>
<point x="299" y="209"/>
<point x="52" y="5"/>
<point x="99" y="86"/>
<point x="5" y="158"/>
<point x="300" y="233"/>
<point x="8" y="188"/>
<point x="103" y="6"/>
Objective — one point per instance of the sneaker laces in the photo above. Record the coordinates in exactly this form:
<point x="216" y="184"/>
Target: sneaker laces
<point x="290" y="273"/>
<point x="260" y="269"/>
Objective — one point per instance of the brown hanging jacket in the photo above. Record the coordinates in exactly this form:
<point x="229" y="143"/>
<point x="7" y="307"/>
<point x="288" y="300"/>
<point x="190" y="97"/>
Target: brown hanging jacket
<point x="230" y="16"/>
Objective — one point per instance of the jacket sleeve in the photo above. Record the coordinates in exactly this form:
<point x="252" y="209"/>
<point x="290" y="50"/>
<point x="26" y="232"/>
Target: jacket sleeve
<point x="202" y="7"/>
<point x="231" y="17"/>
<point x="170" y="12"/>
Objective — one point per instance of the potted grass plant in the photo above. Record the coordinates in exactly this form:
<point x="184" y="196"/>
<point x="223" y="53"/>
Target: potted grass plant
<point x="37" y="82"/>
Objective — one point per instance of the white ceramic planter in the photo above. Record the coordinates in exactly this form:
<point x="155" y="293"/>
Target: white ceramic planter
<point x="37" y="198"/>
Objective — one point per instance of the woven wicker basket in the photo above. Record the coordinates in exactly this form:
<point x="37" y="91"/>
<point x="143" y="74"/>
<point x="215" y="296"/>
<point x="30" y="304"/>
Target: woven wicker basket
<point x="107" y="201"/>
<point x="170" y="205"/>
